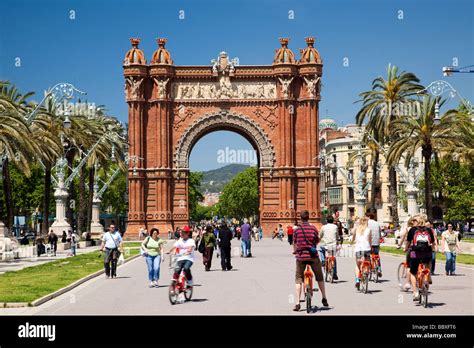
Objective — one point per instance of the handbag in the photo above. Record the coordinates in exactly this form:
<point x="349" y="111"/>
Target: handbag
<point x="202" y="246"/>
<point x="121" y="260"/>
<point x="142" y="251"/>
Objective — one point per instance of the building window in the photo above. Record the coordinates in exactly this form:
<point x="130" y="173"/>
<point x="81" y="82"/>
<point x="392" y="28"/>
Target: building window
<point x="350" y="147"/>
<point x="335" y="195"/>
<point x="351" y="195"/>
<point x="351" y="212"/>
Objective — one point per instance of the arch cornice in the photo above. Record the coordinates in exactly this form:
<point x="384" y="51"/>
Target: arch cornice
<point x="227" y="120"/>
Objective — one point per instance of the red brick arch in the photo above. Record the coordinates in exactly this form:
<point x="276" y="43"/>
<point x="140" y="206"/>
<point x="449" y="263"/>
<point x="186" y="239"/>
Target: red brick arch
<point x="171" y="107"/>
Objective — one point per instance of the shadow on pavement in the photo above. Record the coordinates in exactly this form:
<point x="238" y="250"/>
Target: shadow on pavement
<point x="383" y="281"/>
<point x="198" y="300"/>
<point x="433" y="305"/>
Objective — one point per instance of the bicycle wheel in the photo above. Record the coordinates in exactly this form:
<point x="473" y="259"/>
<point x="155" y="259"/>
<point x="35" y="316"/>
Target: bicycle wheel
<point x="376" y="273"/>
<point x="366" y="281"/>
<point x="333" y="272"/>
<point x="172" y="294"/>
<point x="188" y="293"/>
<point x="425" y="293"/>
<point x="401" y="275"/>
<point x="308" y="300"/>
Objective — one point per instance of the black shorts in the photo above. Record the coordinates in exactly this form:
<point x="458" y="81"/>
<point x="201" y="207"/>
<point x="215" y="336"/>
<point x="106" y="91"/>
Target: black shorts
<point x="363" y="253"/>
<point x="415" y="263"/>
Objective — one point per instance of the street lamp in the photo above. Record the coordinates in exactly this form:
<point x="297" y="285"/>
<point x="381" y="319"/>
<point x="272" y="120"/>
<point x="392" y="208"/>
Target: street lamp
<point x="439" y="87"/>
<point x="449" y="70"/>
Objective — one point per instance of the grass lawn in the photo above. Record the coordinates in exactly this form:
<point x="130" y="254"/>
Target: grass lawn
<point x="461" y="258"/>
<point x="32" y="283"/>
<point x="132" y="244"/>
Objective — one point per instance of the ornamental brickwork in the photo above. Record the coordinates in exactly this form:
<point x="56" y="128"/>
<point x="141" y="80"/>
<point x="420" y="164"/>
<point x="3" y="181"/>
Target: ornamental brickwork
<point x="275" y="107"/>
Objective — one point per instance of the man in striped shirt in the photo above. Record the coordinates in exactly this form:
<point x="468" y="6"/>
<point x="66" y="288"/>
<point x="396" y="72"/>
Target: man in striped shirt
<point x="306" y="237"/>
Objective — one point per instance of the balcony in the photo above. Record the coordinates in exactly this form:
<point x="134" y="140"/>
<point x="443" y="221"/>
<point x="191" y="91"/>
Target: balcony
<point x="333" y="183"/>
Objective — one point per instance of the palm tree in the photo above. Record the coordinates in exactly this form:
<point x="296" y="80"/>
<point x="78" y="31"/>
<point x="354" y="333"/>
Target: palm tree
<point x="378" y="107"/>
<point x="15" y="139"/>
<point x="421" y="132"/>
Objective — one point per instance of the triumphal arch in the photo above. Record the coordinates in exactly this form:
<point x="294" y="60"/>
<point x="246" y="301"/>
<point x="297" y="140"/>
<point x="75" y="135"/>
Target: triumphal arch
<point x="275" y="107"/>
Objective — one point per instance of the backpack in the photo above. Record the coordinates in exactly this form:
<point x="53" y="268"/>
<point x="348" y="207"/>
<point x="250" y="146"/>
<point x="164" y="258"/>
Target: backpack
<point x="422" y="240"/>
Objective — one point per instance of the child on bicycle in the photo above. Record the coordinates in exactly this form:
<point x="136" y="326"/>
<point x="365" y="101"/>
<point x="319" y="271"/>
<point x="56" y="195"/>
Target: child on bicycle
<point x="184" y="251"/>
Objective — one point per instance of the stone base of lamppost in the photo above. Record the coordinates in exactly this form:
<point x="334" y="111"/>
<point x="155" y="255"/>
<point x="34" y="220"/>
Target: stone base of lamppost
<point x="59" y="226"/>
<point x="97" y="230"/>
<point x="411" y="200"/>
<point x="6" y="249"/>
<point x="360" y="202"/>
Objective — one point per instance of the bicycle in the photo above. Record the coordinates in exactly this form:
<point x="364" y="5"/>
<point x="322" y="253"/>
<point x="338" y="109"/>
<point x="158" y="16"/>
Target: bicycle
<point x="364" y="274"/>
<point x="423" y="284"/>
<point x="179" y="286"/>
<point x="402" y="275"/>
<point x="374" y="267"/>
<point x="308" y="287"/>
<point x="329" y="263"/>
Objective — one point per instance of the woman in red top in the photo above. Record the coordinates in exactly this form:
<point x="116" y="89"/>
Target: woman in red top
<point x="289" y="231"/>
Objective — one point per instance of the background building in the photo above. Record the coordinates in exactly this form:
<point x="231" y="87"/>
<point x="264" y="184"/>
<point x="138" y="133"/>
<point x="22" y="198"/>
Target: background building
<point x="344" y="170"/>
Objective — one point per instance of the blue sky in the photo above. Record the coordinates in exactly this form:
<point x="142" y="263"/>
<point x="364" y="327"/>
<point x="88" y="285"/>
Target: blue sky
<point x="88" y="50"/>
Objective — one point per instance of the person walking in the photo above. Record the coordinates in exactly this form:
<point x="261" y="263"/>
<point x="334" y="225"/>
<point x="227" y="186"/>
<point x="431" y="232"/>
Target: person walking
<point x="362" y="238"/>
<point x="305" y="239"/>
<point x="170" y="234"/>
<point x="289" y="232"/>
<point x="64" y="237"/>
<point x="255" y="233"/>
<point x="280" y="232"/>
<point x="53" y="241"/>
<point x="154" y="256"/>
<point x="224" y="242"/>
<point x="328" y="242"/>
<point x="450" y="246"/>
<point x="73" y="240"/>
<point x="260" y="233"/>
<point x="113" y="245"/>
<point x="375" y="241"/>
<point x="245" y="236"/>
<point x="210" y="243"/>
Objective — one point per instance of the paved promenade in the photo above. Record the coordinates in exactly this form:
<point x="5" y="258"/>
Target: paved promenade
<point x="263" y="284"/>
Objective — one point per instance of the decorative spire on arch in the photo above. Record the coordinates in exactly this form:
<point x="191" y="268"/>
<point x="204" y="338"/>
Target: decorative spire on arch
<point x="161" y="55"/>
<point x="134" y="55"/>
<point x="284" y="54"/>
<point x="310" y="54"/>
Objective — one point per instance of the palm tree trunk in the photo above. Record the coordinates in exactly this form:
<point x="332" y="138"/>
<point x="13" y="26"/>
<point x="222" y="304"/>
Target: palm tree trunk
<point x="393" y="198"/>
<point x="91" y="196"/>
<point x="46" y="198"/>
<point x="427" y="152"/>
<point x="7" y="191"/>
<point x="375" y="161"/>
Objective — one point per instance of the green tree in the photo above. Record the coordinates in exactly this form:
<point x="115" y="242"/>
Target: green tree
<point x="454" y="182"/>
<point x="240" y="196"/>
<point x="378" y="108"/>
<point x="413" y="133"/>
<point x="194" y="194"/>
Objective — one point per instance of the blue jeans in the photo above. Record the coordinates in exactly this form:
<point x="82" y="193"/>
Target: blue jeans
<point x="73" y="250"/>
<point x="322" y="255"/>
<point x="153" y="264"/>
<point x="245" y="247"/>
<point x="183" y="265"/>
<point x="433" y="262"/>
<point x="450" y="262"/>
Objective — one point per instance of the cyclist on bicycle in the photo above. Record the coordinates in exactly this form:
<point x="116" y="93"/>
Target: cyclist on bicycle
<point x="305" y="239"/>
<point x="375" y="240"/>
<point x="404" y="232"/>
<point x="329" y="241"/>
<point x="362" y="236"/>
<point x="184" y="250"/>
<point x="421" y="240"/>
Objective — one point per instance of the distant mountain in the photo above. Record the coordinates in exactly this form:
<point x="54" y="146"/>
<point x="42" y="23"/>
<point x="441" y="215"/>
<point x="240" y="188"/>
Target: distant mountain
<point x="215" y="180"/>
